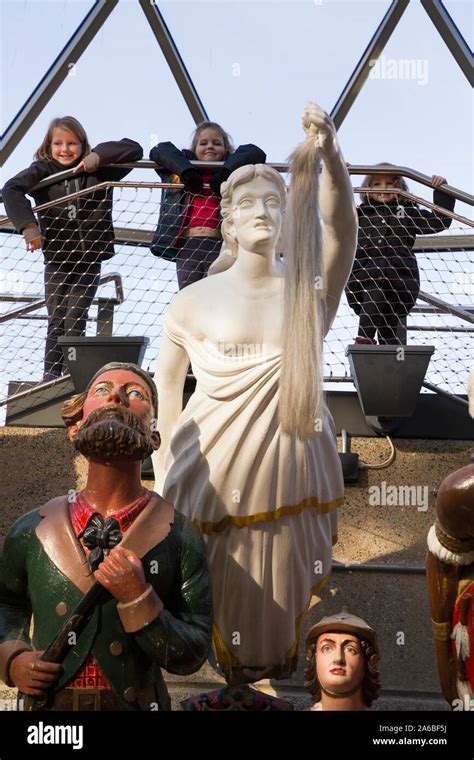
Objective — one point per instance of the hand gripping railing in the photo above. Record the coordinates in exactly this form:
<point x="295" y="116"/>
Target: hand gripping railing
<point x="5" y="221"/>
<point x="404" y="171"/>
<point x="146" y="270"/>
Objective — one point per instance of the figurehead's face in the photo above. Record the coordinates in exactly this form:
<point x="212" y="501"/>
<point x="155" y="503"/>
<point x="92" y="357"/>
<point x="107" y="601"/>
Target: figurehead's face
<point x="117" y="420"/>
<point x="117" y="389"/>
<point x="256" y="215"/>
<point x="340" y="662"/>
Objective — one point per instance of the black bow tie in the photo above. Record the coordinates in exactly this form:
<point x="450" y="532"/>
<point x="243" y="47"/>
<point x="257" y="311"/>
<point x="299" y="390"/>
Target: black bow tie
<point x="100" y="536"/>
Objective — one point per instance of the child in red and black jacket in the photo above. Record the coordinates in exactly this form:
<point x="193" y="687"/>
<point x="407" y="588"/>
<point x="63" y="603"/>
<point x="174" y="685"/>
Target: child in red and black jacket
<point x="76" y="236"/>
<point x="189" y="225"/>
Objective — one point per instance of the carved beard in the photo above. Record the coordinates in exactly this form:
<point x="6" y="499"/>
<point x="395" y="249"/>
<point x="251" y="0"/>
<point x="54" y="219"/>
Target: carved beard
<point x="115" y="434"/>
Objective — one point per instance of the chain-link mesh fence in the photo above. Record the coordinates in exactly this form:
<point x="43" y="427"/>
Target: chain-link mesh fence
<point x="384" y="288"/>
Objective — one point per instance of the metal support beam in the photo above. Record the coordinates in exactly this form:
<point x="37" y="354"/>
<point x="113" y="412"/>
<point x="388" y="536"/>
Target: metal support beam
<point x="370" y="55"/>
<point x="446" y="394"/>
<point x="34" y="304"/>
<point x="174" y="60"/>
<point x="451" y="35"/>
<point x="55" y="75"/>
<point x="447" y="308"/>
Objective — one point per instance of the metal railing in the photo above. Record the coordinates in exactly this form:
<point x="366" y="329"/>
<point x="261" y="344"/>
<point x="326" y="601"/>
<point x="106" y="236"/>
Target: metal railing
<point x="34" y="303"/>
<point x="149" y="277"/>
<point x="442" y="306"/>
<point x="356" y="169"/>
<point x="455" y="192"/>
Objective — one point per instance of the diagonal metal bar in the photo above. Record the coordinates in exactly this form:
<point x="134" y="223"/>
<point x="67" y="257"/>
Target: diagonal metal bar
<point x="33" y="303"/>
<point x="174" y="60"/>
<point x="55" y="75"/>
<point x="446" y="394"/>
<point x="447" y="308"/>
<point x="451" y="35"/>
<point x="370" y="55"/>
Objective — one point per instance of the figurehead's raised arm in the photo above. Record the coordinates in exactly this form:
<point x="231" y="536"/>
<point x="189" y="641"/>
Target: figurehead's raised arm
<point x="336" y="207"/>
<point x="318" y="260"/>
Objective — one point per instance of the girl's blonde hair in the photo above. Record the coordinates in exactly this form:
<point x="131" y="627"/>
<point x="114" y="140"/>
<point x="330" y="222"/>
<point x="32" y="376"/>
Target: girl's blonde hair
<point x="398" y="182"/>
<point x="63" y="122"/>
<point x="211" y="125"/>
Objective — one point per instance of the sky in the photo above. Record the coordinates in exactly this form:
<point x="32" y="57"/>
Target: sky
<point x="254" y="65"/>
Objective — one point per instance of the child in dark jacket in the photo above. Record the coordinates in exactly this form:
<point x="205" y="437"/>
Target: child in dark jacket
<point x="76" y="236"/>
<point x="385" y="281"/>
<point x="189" y="223"/>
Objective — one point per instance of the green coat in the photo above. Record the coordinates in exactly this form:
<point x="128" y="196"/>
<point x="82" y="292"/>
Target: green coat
<point x="43" y="574"/>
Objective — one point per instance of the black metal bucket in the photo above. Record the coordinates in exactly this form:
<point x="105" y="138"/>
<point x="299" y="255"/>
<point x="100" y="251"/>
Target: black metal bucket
<point x="85" y="355"/>
<point x="388" y="378"/>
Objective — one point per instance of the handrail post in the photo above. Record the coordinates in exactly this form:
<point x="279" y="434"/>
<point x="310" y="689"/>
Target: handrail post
<point x="105" y="316"/>
<point x="402" y="331"/>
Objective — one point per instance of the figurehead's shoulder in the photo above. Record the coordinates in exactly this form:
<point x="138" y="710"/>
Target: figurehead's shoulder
<point x="58" y="504"/>
<point x="177" y="313"/>
<point x="191" y="536"/>
<point x="191" y="296"/>
<point x="30" y="520"/>
<point x="163" y="507"/>
<point x="181" y="528"/>
<point x="185" y="311"/>
<point x="24" y="524"/>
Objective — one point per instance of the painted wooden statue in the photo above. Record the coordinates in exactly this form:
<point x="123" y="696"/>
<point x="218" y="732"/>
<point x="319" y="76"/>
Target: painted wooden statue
<point x="450" y="576"/>
<point x="131" y="569"/>
<point x="342" y="655"/>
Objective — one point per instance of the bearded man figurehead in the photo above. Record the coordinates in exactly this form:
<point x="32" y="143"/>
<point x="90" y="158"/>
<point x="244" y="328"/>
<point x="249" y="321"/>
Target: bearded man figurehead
<point x="114" y="419"/>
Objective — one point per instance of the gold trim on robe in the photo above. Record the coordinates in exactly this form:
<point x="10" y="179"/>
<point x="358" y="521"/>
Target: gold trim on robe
<point x="244" y="521"/>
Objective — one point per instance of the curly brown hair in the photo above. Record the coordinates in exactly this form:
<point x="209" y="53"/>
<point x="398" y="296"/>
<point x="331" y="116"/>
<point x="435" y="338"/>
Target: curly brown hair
<point x="72" y="409"/>
<point x="370" y="683"/>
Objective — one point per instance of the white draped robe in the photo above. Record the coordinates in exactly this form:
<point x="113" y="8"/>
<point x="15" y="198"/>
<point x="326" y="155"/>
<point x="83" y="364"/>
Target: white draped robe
<point x="265" y="501"/>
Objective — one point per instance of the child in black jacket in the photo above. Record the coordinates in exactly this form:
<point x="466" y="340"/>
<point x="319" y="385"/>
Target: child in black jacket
<point x="76" y="236"/>
<point x="385" y="281"/>
<point x="189" y="224"/>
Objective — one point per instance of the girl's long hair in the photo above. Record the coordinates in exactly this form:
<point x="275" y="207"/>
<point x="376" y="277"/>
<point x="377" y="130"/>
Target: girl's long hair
<point x="63" y="122"/>
<point x="301" y="393"/>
